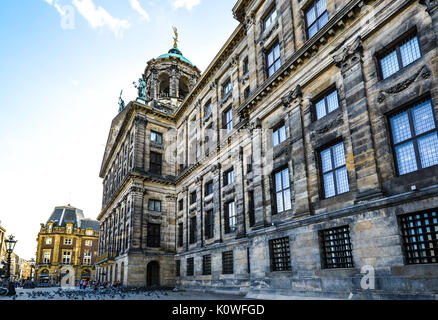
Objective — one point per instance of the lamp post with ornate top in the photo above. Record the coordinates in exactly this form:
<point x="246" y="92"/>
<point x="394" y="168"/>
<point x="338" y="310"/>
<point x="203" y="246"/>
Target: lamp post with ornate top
<point x="10" y="245"/>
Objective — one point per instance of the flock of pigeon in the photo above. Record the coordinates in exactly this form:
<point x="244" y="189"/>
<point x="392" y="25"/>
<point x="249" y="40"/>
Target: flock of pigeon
<point x="89" y="294"/>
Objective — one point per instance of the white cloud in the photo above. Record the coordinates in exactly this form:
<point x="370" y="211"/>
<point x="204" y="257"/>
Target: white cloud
<point x="99" y="17"/>
<point x="56" y="4"/>
<point x="137" y="7"/>
<point x="75" y="83"/>
<point x="189" y="4"/>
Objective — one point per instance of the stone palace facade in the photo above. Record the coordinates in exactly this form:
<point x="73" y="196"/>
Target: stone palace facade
<point x="302" y="161"/>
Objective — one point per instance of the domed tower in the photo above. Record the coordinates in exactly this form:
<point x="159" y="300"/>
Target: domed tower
<point x="169" y="78"/>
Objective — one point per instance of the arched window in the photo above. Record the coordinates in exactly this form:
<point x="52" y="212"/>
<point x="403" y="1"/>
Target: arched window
<point x="183" y="87"/>
<point x="164" y="85"/>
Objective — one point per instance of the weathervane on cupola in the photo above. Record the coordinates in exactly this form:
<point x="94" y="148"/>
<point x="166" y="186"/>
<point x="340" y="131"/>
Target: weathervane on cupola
<point x="175" y="39"/>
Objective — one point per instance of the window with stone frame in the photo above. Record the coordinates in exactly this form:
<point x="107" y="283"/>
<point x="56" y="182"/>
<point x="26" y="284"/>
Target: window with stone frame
<point x="228" y="119"/>
<point x="279" y="250"/>
<point x="66" y="257"/>
<point x="209" y="224"/>
<point x="193" y="197"/>
<point x="336" y="248"/>
<point x="193" y="229"/>
<point x="89" y="232"/>
<point x="154" y="205"/>
<point x="180" y="235"/>
<point x="396" y="57"/>
<point x="226" y="88"/>
<point x="181" y="205"/>
<point x="269" y="18"/>
<point x="282" y="190"/>
<point x="326" y="104"/>
<point x="245" y="68"/>
<point x="156" y="137"/>
<point x="153" y="235"/>
<point x="229" y="177"/>
<point x="156" y="163"/>
<point x="334" y="170"/>
<point x="420" y="236"/>
<point x="415" y="138"/>
<point x="207" y="109"/>
<point x="46" y="257"/>
<point x="209" y="188"/>
<point x="273" y="59"/>
<point x="88" y="243"/>
<point x="246" y="92"/>
<point x="316" y="17"/>
<point x="68" y="241"/>
<point x="206" y="265"/>
<point x="190" y="267"/>
<point x="251" y="208"/>
<point x="87" y="258"/>
<point x="227" y="262"/>
<point x="178" y="268"/>
<point x="48" y="241"/>
<point x="279" y="134"/>
<point x="230" y="217"/>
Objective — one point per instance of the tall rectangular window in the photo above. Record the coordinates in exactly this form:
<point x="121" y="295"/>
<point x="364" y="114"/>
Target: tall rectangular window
<point x="251" y="208"/>
<point x="190" y="267"/>
<point x="273" y="59"/>
<point x="420" y="236"/>
<point x="209" y="224"/>
<point x="178" y="268"/>
<point x="327" y="104"/>
<point x="192" y="237"/>
<point x="336" y="248"/>
<point x="279" y="135"/>
<point x="87" y="258"/>
<point x="270" y="18"/>
<point x="402" y="55"/>
<point x="230" y="217"/>
<point x="181" y="205"/>
<point x="226" y="88"/>
<point x="153" y="236"/>
<point x="227" y="262"/>
<point x="415" y="139"/>
<point x="280" y="254"/>
<point x="245" y="66"/>
<point x="46" y="257"/>
<point x="180" y="235"/>
<point x="209" y="188"/>
<point x="66" y="257"/>
<point x="206" y="265"/>
<point x="228" y="119"/>
<point x="229" y="177"/>
<point x="156" y="163"/>
<point x="282" y="190"/>
<point x="193" y="197"/>
<point x="207" y="109"/>
<point x="156" y="137"/>
<point x="154" y="205"/>
<point x="316" y="17"/>
<point x="334" y="170"/>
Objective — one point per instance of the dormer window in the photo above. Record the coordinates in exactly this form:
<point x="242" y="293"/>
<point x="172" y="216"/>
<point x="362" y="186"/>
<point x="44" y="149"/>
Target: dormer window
<point x="50" y="228"/>
<point x="89" y="232"/>
<point x="270" y="18"/>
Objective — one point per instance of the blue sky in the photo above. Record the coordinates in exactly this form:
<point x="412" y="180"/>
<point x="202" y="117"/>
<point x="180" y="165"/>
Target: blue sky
<point x="59" y="87"/>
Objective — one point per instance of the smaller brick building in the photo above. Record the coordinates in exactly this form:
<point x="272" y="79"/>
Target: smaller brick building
<point x="66" y="243"/>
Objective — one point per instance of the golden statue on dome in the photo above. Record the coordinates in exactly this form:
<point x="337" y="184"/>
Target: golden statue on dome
<point x="175" y="39"/>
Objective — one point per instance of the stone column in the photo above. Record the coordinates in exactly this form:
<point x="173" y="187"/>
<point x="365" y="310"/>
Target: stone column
<point x="259" y="208"/>
<point x="365" y="166"/>
<point x="154" y="84"/>
<point x="294" y="123"/>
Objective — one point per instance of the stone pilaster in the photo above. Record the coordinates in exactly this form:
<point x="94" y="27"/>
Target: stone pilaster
<point x="239" y="194"/>
<point x="218" y="209"/>
<point x="140" y="123"/>
<point x="350" y="63"/>
<point x="199" y="213"/>
<point x="294" y="123"/>
<point x="136" y="219"/>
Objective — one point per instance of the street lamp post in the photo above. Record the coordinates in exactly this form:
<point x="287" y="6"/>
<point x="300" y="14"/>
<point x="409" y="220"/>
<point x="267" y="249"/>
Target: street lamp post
<point x="32" y="268"/>
<point x="10" y="245"/>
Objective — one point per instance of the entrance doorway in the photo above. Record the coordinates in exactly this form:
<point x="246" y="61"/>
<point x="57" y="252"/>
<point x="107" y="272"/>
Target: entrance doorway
<point x="153" y="274"/>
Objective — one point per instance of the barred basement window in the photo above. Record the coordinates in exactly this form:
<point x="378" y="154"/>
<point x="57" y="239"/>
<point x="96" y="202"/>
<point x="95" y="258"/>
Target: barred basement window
<point x="227" y="262"/>
<point x="190" y="267"/>
<point x="178" y="268"/>
<point x="192" y="230"/>
<point x="180" y="235"/>
<point x="206" y="265"/>
<point x="336" y="248"/>
<point x="420" y="236"/>
<point x="415" y="138"/>
<point x="153" y="236"/>
<point x="280" y="254"/>
<point x="209" y="224"/>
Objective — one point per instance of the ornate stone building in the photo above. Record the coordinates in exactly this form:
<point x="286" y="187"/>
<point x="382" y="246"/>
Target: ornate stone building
<point x="67" y="245"/>
<point x="301" y="162"/>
